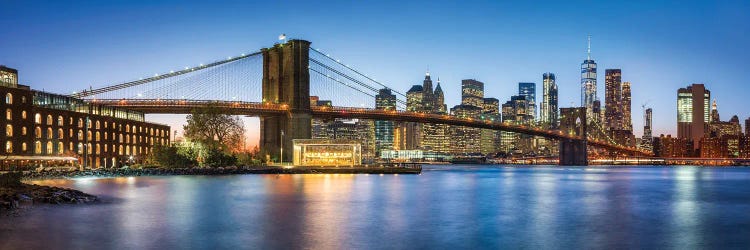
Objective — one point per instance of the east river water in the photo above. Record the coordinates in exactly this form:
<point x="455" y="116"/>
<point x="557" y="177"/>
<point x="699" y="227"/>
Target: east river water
<point x="446" y="207"/>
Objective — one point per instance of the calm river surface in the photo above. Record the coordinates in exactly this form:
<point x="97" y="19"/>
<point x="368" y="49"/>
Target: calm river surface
<point x="446" y="207"/>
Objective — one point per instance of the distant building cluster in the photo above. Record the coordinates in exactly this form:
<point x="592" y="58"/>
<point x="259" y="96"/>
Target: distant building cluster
<point x="700" y="130"/>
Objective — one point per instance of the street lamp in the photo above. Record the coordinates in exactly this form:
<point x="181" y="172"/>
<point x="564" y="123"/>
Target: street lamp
<point x="281" y="151"/>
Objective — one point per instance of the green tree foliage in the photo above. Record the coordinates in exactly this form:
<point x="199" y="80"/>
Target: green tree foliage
<point x="210" y="127"/>
<point x="170" y="157"/>
<point x="217" y="158"/>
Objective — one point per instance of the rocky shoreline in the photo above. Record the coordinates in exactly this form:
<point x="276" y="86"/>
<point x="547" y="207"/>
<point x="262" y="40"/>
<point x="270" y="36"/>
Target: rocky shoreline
<point x="14" y="194"/>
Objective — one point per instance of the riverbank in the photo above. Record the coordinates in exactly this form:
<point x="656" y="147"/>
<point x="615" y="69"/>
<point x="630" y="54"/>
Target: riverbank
<point x="33" y="175"/>
<point x="14" y="194"/>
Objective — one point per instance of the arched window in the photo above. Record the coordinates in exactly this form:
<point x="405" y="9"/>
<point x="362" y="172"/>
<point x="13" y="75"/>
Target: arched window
<point x="49" y="119"/>
<point x="97" y="124"/>
<point x="88" y="135"/>
<point x="127" y="150"/>
<point x="8" y="114"/>
<point x="38" y="133"/>
<point x="97" y="136"/>
<point x="80" y="148"/>
<point x="80" y="135"/>
<point x="60" y="121"/>
<point x="37" y="147"/>
<point x="60" y="134"/>
<point x="50" y="150"/>
<point x="49" y="133"/>
<point x="98" y="149"/>
<point x="23" y="147"/>
<point x="38" y="118"/>
<point x="23" y="99"/>
<point x="23" y="130"/>
<point x="60" y="148"/>
<point x="120" y="151"/>
<point x="88" y="148"/>
<point x="80" y="123"/>
<point x="8" y="98"/>
<point x="9" y="130"/>
<point x="127" y="128"/>
<point x="23" y="114"/>
<point x="9" y="147"/>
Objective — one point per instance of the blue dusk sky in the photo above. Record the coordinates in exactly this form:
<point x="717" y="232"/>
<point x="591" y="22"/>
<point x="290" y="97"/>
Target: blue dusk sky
<point x="62" y="46"/>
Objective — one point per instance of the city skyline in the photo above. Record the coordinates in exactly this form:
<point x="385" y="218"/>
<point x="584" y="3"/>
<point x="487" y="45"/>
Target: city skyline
<point x="655" y="65"/>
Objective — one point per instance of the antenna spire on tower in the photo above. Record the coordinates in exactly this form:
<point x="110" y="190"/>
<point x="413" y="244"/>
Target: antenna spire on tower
<point x="588" y="50"/>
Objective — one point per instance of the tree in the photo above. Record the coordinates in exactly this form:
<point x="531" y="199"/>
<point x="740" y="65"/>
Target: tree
<point x="169" y="157"/>
<point x="209" y="126"/>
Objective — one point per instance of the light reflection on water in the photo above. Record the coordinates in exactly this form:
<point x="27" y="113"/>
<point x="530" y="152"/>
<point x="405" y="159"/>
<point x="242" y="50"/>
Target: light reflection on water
<point x="444" y="207"/>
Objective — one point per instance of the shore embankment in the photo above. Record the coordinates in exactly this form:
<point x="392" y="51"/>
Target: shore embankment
<point x="37" y="175"/>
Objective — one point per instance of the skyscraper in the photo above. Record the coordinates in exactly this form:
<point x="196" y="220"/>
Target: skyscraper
<point x="465" y="140"/>
<point x="472" y="92"/>
<point x="514" y="111"/>
<point x="747" y="126"/>
<point x="613" y="99"/>
<point x="528" y="89"/>
<point x="439" y="98"/>
<point x="693" y="113"/>
<point x="384" y="100"/>
<point x="413" y="130"/>
<point x="627" y="119"/>
<point x="588" y="83"/>
<point x="428" y="97"/>
<point x="436" y="136"/>
<point x="490" y="138"/>
<point x="548" y="107"/>
<point x="647" y="138"/>
<point x="715" y="112"/>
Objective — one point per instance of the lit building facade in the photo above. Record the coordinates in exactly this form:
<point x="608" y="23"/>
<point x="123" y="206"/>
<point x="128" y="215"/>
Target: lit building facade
<point x="613" y="99"/>
<point x="528" y="89"/>
<point x="465" y="140"/>
<point x="627" y="119"/>
<point x="412" y="130"/>
<point x="436" y="136"/>
<point x="472" y="92"/>
<point x="693" y="113"/>
<point x="548" y="113"/>
<point x="514" y="112"/>
<point x="385" y="100"/>
<point x="588" y="84"/>
<point x="647" y="138"/>
<point x="326" y="152"/>
<point x="490" y="139"/>
<point x="47" y="129"/>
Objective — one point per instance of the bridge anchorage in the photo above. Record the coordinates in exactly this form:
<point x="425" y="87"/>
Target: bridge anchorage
<point x="276" y="84"/>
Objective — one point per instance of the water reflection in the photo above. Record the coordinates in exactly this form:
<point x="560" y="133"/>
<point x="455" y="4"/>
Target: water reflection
<point x="445" y="207"/>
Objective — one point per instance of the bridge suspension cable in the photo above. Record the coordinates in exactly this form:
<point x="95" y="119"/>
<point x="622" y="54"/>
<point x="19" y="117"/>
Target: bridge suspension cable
<point x="357" y="72"/>
<point x="91" y="92"/>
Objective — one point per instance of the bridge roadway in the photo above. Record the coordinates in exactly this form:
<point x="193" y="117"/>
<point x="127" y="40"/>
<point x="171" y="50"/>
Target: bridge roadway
<point x="180" y="106"/>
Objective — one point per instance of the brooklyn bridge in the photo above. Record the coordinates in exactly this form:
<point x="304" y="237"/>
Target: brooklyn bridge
<point x="276" y="84"/>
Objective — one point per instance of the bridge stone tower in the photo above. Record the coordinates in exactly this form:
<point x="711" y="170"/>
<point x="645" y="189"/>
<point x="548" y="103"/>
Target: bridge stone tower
<point x="573" y="152"/>
<point x="286" y="80"/>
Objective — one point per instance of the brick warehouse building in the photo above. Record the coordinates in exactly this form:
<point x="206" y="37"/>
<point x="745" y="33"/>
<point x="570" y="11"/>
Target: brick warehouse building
<point x="43" y="129"/>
